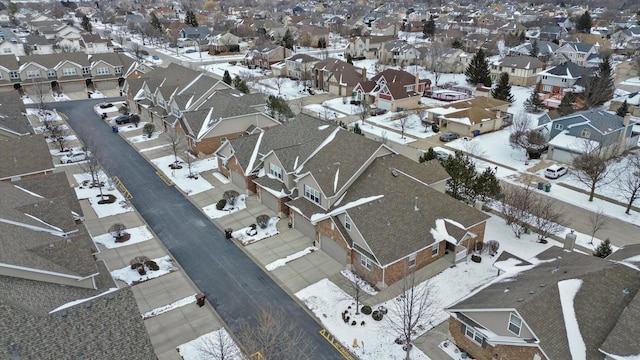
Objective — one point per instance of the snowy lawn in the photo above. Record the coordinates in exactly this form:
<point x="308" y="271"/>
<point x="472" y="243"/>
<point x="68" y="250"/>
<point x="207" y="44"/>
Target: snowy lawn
<point x="51" y="115"/>
<point x="213" y="213"/>
<point x="181" y="178"/>
<point x="174" y="305"/>
<point x="96" y="94"/>
<point x="208" y="344"/>
<point x="119" y="206"/>
<point x="132" y="127"/>
<point x="144" y="137"/>
<point x="248" y="236"/>
<point x="381" y="134"/>
<point x="282" y="262"/>
<point x="413" y="126"/>
<point x="324" y="112"/>
<point x="132" y="277"/>
<point x="289" y="89"/>
<point x="138" y="235"/>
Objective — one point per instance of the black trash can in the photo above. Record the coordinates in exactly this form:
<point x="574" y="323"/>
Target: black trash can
<point x="227" y="233"/>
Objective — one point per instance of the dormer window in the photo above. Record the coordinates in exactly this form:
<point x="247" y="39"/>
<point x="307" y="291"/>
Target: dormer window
<point x="69" y="71"/>
<point x="312" y="194"/>
<point x="275" y="171"/>
<point x="586" y="133"/>
<point x="118" y="69"/>
<point x="175" y="111"/>
<point x="86" y="70"/>
<point x="559" y="127"/>
<point x="33" y="74"/>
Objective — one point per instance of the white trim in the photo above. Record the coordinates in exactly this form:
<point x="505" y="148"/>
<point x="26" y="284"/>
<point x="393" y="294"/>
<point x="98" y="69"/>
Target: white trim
<point x="45" y="272"/>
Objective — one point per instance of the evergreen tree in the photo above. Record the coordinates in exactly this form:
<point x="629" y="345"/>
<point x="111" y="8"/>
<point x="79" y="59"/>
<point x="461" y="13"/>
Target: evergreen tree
<point x="429" y="27"/>
<point x="287" y="40"/>
<point x="486" y="185"/>
<point x="623" y="109"/>
<point x="462" y="171"/>
<point x="533" y="104"/>
<point x="599" y="86"/>
<point x="190" y="19"/>
<point x="478" y="70"/>
<point x="357" y="129"/>
<point x="278" y="108"/>
<point x="86" y="24"/>
<point x="566" y="104"/>
<point x="604" y="249"/>
<point x="429" y="155"/>
<point x="155" y="22"/>
<point x="226" y="78"/>
<point x="502" y="90"/>
<point x="240" y="85"/>
<point x="322" y="43"/>
<point x="457" y="44"/>
<point x="349" y="59"/>
<point x="535" y="50"/>
<point x="584" y="23"/>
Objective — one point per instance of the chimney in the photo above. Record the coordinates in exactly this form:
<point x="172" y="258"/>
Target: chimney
<point x="415" y="204"/>
<point x="364" y="74"/>
<point x="623" y="135"/>
<point x="557" y="265"/>
<point x="570" y="240"/>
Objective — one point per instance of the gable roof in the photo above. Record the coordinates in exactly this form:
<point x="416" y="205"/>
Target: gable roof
<point x="569" y="69"/>
<point x="604" y="122"/>
<point x="342" y="71"/>
<point x="535" y="296"/>
<point x="520" y="62"/>
<point x="12" y="114"/>
<point x="24" y="155"/>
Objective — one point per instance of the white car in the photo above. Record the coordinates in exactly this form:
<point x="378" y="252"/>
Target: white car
<point x="74" y="157"/>
<point x="555" y="171"/>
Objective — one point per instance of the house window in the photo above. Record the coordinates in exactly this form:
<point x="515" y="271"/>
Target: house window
<point x="586" y="133"/>
<point x="366" y="262"/>
<point x="347" y="222"/>
<point x="547" y="88"/>
<point x="474" y="335"/>
<point x="564" y="80"/>
<point x="160" y="102"/>
<point x="86" y="70"/>
<point x="147" y="94"/>
<point x="434" y="249"/>
<point x="515" y="323"/>
<point x="7" y="50"/>
<point x="102" y="71"/>
<point x="90" y="46"/>
<point x="51" y="73"/>
<point x="118" y="69"/>
<point x="312" y="194"/>
<point x="558" y="127"/>
<point x="69" y="71"/>
<point x="544" y="77"/>
<point x="412" y="260"/>
<point x="275" y="171"/>
<point x="513" y="70"/>
<point x="175" y="111"/>
<point x="33" y="74"/>
<point x="14" y="74"/>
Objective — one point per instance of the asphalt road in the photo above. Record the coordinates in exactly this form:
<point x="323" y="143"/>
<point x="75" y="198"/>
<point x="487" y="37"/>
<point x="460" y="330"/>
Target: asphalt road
<point x="236" y="287"/>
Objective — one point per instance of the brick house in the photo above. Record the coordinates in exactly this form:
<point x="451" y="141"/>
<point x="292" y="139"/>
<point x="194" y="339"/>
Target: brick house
<point x="347" y="206"/>
<point x="337" y="77"/>
<point x="545" y="310"/>
<point x="392" y="89"/>
<point x="522" y="70"/>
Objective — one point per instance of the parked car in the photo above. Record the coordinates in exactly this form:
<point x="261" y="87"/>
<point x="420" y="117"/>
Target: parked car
<point x="189" y="51"/>
<point x="377" y="111"/>
<point x="74" y="157"/>
<point x="449" y="136"/>
<point x="555" y="171"/>
<point x="156" y="58"/>
<point x="441" y="154"/>
<point x="123" y="119"/>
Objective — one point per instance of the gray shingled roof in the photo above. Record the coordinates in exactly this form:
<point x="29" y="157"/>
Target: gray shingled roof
<point x="391" y="225"/>
<point x="603" y="121"/>
<point x="623" y="339"/>
<point x="520" y="62"/>
<point x="24" y="155"/>
<point x="12" y="114"/>
<point x="535" y="296"/>
<point x="50" y="61"/>
<point x="570" y="69"/>
<point x="109" y="327"/>
<point x="343" y="72"/>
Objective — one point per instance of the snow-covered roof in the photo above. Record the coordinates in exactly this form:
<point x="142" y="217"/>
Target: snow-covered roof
<point x="569" y="142"/>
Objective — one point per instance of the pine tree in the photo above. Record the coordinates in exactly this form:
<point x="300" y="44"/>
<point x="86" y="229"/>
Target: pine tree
<point x="486" y="185"/>
<point x="502" y="90"/>
<point x="86" y="24"/>
<point x="287" y="40"/>
<point x="278" y="108"/>
<point x="190" y="19"/>
<point x="604" y="249"/>
<point x="584" y="23"/>
<point x="599" y="86"/>
<point x="623" y="109"/>
<point x="226" y="78"/>
<point x="533" y="104"/>
<point x="535" y="50"/>
<point x="349" y="59"/>
<point x="322" y="43"/>
<point x="429" y="155"/>
<point x="478" y="70"/>
<point x="155" y="22"/>
<point x="462" y="171"/>
<point x="457" y="44"/>
<point x="429" y="28"/>
<point x="240" y="85"/>
<point x="566" y="104"/>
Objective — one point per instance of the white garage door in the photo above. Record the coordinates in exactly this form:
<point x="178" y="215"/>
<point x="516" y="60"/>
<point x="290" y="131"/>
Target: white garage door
<point x="71" y="87"/>
<point x="563" y="156"/>
<point x="384" y="104"/>
<point x="238" y="180"/>
<point x="305" y="227"/>
<point x="269" y="200"/>
<point x="334" y="250"/>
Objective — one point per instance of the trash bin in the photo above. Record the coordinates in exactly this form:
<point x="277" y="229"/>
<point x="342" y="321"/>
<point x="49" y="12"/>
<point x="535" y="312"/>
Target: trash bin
<point x="547" y="188"/>
<point x="200" y="299"/>
<point x="540" y="186"/>
<point x="114" y="129"/>
<point x="476" y="133"/>
<point x="227" y="233"/>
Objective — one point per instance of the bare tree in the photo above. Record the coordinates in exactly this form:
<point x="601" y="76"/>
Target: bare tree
<point x="93" y="167"/>
<point x="403" y="121"/>
<point x="531" y="141"/>
<point x="423" y="115"/>
<point x="414" y="310"/>
<point x="434" y="59"/>
<point x="59" y="133"/>
<point x="593" y="165"/>
<point x="137" y="51"/>
<point x="40" y="90"/>
<point x="628" y="182"/>
<point x="274" y="337"/>
<point x="190" y="157"/>
<point x="364" y="109"/>
<point x="176" y="141"/>
<point x="547" y="218"/>
<point x="279" y="80"/>
<point x="598" y="222"/>
<point x="220" y="346"/>
<point x="516" y="205"/>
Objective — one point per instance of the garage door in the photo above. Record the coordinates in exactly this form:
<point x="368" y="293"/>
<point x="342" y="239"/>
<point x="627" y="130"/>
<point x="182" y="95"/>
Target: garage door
<point x="562" y="156"/>
<point x="106" y="85"/>
<point x="71" y="87"/>
<point x="269" y="200"/>
<point x="238" y="180"/>
<point x="334" y="250"/>
<point x="305" y="227"/>
<point x="384" y="104"/>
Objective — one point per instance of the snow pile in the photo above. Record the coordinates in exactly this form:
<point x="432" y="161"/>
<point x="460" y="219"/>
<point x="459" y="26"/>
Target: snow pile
<point x="364" y="286"/>
<point x="119" y="206"/>
<point x="163" y="309"/>
<point x="248" y="236"/>
<point x="143" y="137"/>
<point x="208" y="345"/>
<point x="568" y="290"/>
<point x="181" y="178"/>
<point x="138" y="235"/>
<point x="213" y="213"/>
<point x="131" y="276"/>
<point x="223" y="179"/>
<point x="282" y="262"/>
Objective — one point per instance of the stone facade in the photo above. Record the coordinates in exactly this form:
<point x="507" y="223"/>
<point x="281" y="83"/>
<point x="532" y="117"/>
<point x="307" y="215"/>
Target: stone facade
<point x="500" y="352"/>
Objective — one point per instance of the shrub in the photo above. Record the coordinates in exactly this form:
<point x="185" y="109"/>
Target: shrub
<point x="152" y="265"/>
<point x="253" y="226"/>
<point x="117" y="229"/>
<point x="148" y="129"/>
<point x="377" y="315"/>
<point x="221" y="204"/>
<point x="233" y="62"/>
<point x="366" y="310"/>
<point x="230" y="196"/>
<point x="262" y="221"/>
<point x="107" y="199"/>
<point x="141" y="270"/>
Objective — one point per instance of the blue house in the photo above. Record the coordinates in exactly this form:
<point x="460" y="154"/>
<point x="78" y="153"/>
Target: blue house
<point x="574" y="134"/>
<point x="197" y="33"/>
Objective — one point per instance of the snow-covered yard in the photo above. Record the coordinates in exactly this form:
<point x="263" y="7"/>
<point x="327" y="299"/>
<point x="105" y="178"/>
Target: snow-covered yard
<point x="138" y="235"/>
<point x="382" y="134"/>
<point x="132" y="277"/>
<point x="213" y="213"/>
<point x="92" y="194"/>
<point x="181" y="178"/>
<point x="132" y="127"/>
<point x="207" y="344"/>
<point x="143" y="137"/>
<point x="249" y="235"/>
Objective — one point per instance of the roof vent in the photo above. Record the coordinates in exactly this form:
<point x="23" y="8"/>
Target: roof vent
<point x="394" y="172"/>
<point x="87" y="305"/>
<point x="51" y="246"/>
<point x="530" y="292"/>
<point x="388" y="222"/>
<point x="110" y="297"/>
<point x="542" y="285"/>
<point x="520" y="300"/>
<point x="63" y="313"/>
<point x="625" y="291"/>
<point x="68" y="240"/>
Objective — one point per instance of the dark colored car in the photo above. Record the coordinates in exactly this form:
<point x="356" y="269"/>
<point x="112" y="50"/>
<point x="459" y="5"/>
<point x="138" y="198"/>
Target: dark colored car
<point x="123" y="119"/>
<point x="449" y="136"/>
<point x="377" y="111"/>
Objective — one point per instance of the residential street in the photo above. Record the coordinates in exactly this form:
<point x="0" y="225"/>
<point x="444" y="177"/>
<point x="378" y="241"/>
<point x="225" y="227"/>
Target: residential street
<point x="236" y="287"/>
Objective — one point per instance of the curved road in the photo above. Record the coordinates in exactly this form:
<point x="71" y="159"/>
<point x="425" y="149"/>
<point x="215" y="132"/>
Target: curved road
<point x="236" y="287"/>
